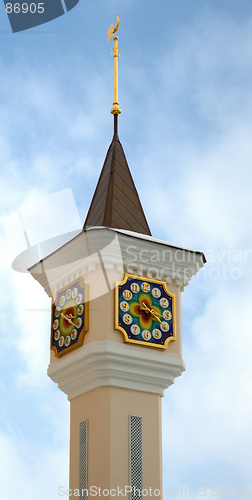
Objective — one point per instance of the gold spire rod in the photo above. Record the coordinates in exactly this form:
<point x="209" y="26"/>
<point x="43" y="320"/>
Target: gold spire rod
<point x="115" y="51"/>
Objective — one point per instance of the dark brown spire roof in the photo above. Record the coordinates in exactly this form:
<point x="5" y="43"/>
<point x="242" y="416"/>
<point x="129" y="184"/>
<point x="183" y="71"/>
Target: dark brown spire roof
<point x="116" y="202"/>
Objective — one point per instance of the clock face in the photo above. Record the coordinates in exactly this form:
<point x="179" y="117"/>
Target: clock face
<point x="69" y="318"/>
<point x="145" y="311"/>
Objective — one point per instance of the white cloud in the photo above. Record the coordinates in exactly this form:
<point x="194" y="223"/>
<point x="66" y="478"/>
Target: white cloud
<point x="208" y="414"/>
<point x="28" y="473"/>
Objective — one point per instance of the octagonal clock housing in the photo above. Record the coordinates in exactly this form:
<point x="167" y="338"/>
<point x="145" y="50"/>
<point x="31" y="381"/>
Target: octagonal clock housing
<point x="145" y="311"/>
<point x="69" y="317"/>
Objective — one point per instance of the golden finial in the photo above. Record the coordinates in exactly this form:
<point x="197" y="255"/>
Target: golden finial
<point x="116" y="52"/>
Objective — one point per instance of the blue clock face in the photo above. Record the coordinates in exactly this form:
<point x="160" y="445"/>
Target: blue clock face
<point x="145" y="311"/>
<point x="69" y="318"/>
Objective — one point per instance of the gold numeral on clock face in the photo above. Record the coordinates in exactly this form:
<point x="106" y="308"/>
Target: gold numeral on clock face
<point x="156" y="292"/>
<point x="79" y="298"/>
<point x="146" y="335"/>
<point x="134" y="287"/>
<point x="167" y="315"/>
<point x="80" y="309"/>
<point x="57" y="312"/>
<point x="67" y="341"/>
<point x="62" y="300"/>
<point x="55" y="324"/>
<point x="61" y="341"/>
<point x="124" y="306"/>
<point x="78" y="322"/>
<point x="127" y="319"/>
<point x="164" y="326"/>
<point x="135" y="329"/>
<point x="145" y="287"/>
<point x="57" y="335"/>
<point x="164" y="302"/>
<point x="157" y="334"/>
<point x="127" y="294"/>
<point x="73" y="334"/>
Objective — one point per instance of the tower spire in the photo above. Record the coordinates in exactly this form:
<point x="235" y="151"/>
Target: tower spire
<point x="116" y="203"/>
<point x="115" y="51"/>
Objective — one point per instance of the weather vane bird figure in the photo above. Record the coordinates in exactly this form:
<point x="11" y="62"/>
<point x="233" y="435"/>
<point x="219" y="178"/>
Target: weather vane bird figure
<point x="112" y="30"/>
<point x="116" y="52"/>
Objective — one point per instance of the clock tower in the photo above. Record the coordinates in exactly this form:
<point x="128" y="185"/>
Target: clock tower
<point x="116" y="339"/>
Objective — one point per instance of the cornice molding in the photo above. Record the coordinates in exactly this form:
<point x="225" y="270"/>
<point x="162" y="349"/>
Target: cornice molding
<point x="107" y="363"/>
<point x="116" y="250"/>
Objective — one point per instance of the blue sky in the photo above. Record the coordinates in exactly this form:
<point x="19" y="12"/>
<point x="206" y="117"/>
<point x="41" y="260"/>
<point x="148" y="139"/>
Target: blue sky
<point x="185" y="94"/>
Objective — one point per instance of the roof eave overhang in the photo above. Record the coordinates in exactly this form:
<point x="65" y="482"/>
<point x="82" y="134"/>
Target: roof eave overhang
<point x="126" y="251"/>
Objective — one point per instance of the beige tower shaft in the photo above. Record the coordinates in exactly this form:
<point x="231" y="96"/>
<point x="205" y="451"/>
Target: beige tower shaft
<point x="107" y="410"/>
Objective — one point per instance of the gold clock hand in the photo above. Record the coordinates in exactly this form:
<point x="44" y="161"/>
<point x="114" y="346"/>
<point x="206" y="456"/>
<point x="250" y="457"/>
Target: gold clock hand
<point x="66" y="316"/>
<point x="152" y="311"/>
<point x="144" y="307"/>
<point x="155" y="314"/>
<point x="70" y="315"/>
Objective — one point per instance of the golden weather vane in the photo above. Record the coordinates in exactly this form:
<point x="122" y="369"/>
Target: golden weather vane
<point x="115" y="52"/>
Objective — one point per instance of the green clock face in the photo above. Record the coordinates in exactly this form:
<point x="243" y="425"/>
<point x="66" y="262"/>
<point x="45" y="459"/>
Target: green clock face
<point x="69" y="318"/>
<point x="145" y="311"/>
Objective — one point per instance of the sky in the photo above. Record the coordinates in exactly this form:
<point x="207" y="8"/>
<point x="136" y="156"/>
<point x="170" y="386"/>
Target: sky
<point x="185" y="93"/>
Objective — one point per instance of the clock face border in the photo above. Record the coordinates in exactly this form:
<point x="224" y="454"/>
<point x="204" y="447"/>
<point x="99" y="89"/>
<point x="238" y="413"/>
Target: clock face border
<point x="86" y="317"/>
<point x="116" y="311"/>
